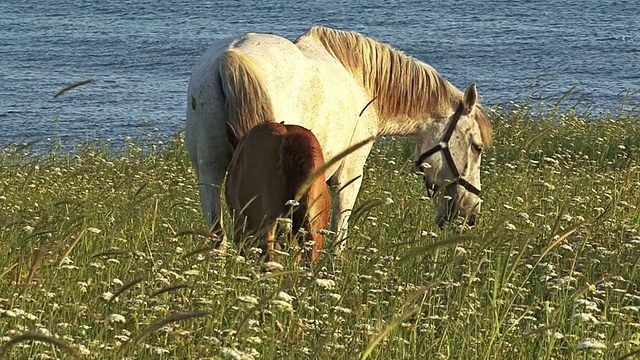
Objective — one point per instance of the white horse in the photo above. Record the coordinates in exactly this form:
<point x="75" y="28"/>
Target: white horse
<point x="323" y="81"/>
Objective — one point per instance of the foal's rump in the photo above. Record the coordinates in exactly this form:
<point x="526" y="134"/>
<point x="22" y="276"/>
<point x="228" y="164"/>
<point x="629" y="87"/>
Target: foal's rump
<point x="300" y="158"/>
<point x="271" y="162"/>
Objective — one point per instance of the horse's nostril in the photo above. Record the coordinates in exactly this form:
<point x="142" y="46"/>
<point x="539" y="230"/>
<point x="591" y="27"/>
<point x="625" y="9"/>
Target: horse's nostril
<point x="471" y="220"/>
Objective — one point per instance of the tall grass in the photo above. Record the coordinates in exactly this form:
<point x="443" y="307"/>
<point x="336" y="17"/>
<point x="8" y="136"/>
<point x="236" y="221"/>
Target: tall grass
<point x="103" y="258"/>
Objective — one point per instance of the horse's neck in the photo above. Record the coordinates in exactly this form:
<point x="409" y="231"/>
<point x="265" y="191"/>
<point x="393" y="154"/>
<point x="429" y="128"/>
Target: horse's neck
<point x="399" y="124"/>
<point x="403" y="125"/>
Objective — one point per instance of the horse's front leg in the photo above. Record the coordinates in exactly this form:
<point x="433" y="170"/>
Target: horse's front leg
<point x="345" y="186"/>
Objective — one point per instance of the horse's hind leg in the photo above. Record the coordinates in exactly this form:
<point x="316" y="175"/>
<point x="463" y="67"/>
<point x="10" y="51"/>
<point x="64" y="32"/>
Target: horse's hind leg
<point x="212" y="157"/>
<point x="210" y="200"/>
<point x="205" y="139"/>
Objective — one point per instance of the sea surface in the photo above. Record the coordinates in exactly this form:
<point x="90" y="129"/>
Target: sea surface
<point x="141" y="53"/>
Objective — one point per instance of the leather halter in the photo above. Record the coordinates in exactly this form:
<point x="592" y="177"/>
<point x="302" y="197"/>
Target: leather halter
<point x="443" y="146"/>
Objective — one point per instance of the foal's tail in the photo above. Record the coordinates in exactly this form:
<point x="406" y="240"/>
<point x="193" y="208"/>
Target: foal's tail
<point x="247" y="100"/>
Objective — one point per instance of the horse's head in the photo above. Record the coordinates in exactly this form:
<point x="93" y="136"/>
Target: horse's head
<point x="449" y="152"/>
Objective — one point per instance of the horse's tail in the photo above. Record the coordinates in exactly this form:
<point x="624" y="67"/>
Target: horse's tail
<point x="247" y="100"/>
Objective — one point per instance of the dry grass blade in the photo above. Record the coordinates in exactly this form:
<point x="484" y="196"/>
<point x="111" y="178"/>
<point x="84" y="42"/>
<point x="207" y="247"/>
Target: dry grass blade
<point x="199" y="232"/>
<point x="8" y="270"/>
<point x="366" y="106"/>
<point x="40" y="338"/>
<point x="203" y="249"/>
<point x="303" y="189"/>
<point x="262" y="303"/>
<point x="421" y="250"/>
<point x="168" y="320"/>
<point x="38" y="255"/>
<point x="73" y="86"/>
<point x="539" y="330"/>
<point x="125" y="287"/>
<point x="73" y="245"/>
<point x="387" y="329"/>
<point x="551" y="246"/>
<point x="274" y="275"/>
<point x="631" y="355"/>
<point x="590" y="287"/>
<point x="170" y="288"/>
<point x="364" y="209"/>
<point x="111" y="253"/>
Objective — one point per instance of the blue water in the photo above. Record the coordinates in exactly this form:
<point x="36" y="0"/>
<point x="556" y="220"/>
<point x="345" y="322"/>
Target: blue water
<point x="141" y="53"/>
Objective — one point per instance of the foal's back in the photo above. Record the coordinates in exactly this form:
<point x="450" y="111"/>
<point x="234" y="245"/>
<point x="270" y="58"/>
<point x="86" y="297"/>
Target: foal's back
<point x="270" y="163"/>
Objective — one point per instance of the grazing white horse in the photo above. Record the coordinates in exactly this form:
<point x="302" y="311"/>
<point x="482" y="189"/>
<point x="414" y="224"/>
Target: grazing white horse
<point x="323" y="81"/>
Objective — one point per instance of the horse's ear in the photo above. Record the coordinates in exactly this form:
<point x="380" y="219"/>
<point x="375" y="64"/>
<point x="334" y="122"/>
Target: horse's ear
<point x="232" y="137"/>
<point x="470" y="98"/>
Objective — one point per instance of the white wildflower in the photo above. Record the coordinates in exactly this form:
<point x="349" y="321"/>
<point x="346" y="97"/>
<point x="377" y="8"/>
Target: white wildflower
<point x="285" y="297"/>
<point x="252" y="300"/>
<point x="342" y="309"/>
<point x="460" y="250"/>
<point x="256" y="340"/>
<point x="584" y="317"/>
<point x="292" y="203"/>
<point x="590" y="344"/>
<point x="106" y="296"/>
<point x="83" y="349"/>
<point x="509" y="226"/>
<point x="233" y="354"/>
<point x="160" y="351"/>
<point x="326" y="284"/>
<point x="192" y="272"/>
<point x="282" y="305"/>
<point x="325" y="232"/>
<point x="115" y="318"/>
<point x="273" y="266"/>
<point x="94" y="230"/>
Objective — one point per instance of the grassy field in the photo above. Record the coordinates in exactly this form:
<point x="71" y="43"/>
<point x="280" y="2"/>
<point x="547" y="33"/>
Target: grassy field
<point x="103" y="257"/>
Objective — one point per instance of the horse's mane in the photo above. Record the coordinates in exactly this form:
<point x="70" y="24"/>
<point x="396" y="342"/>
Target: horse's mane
<point x="486" y="129"/>
<point x="401" y="85"/>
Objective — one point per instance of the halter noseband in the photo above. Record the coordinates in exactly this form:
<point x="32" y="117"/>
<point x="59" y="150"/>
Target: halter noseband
<point x="443" y="146"/>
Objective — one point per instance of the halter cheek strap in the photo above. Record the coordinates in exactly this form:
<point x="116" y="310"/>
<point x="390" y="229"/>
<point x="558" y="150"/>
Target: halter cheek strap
<point x="443" y="146"/>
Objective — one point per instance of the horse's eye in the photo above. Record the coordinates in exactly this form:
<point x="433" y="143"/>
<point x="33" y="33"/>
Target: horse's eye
<point x="476" y="148"/>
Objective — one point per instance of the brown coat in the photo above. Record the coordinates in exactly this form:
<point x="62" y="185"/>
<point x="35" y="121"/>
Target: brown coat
<point x="270" y="163"/>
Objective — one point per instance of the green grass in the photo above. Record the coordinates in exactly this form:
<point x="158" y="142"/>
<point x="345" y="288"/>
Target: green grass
<point x="552" y="265"/>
